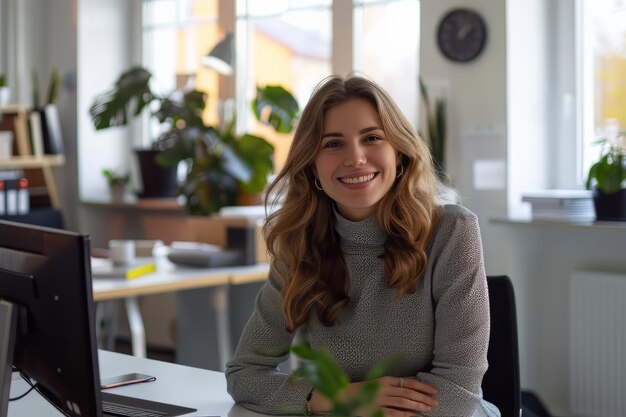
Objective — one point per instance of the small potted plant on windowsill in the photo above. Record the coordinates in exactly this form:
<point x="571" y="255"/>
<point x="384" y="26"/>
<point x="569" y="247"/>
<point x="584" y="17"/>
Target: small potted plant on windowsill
<point x="607" y="179"/>
<point x="118" y="184"/>
<point x="4" y="91"/>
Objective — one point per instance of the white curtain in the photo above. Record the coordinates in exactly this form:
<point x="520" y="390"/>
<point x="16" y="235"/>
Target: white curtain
<point x="12" y="57"/>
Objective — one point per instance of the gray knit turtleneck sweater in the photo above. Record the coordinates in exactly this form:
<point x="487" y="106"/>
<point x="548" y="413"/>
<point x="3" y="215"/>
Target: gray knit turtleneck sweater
<point x="441" y="331"/>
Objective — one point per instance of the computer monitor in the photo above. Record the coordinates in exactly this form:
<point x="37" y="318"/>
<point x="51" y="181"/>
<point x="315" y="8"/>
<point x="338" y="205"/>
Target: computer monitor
<point x="47" y="316"/>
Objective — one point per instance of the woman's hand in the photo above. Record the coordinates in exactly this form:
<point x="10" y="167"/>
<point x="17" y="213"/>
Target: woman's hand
<point x="397" y="397"/>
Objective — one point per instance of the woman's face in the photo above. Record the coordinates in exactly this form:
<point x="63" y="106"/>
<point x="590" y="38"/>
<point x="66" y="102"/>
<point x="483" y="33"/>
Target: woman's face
<point x="356" y="165"/>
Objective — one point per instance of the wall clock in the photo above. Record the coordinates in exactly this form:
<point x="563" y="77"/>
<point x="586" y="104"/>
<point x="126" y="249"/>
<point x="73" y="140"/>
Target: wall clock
<point x="461" y="35"/>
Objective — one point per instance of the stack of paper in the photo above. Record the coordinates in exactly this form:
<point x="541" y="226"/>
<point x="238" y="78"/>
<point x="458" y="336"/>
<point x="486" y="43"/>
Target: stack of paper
<point x="561" y="205"/>
<point x="104" y="268"/>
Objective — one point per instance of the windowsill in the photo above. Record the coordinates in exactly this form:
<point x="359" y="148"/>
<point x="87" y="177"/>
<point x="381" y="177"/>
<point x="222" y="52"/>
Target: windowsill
<point x="595" y="225"/>
<point x="134" y="203"/>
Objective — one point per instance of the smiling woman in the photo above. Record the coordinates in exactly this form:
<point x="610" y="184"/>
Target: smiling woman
<point x="364" y="258"/>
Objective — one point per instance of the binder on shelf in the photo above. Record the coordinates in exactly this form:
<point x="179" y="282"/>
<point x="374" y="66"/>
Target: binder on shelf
<point x="14" y="197"/>
<point x="51" y="126"/>
<point x="3" y="204"/>
<point x="36" y="133"/>
<point x="104" y="268"/>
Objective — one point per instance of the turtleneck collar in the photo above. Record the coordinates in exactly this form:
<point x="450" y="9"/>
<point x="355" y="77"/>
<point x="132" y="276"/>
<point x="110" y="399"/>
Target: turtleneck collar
<point x="366" y="233"/>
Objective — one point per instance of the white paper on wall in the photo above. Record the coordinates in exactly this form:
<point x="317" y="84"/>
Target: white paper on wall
<point x="489" y="174"/>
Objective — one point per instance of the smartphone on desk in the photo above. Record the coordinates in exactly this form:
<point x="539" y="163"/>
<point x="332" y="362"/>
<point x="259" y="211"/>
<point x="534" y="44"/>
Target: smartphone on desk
<point x="126" y="379"/>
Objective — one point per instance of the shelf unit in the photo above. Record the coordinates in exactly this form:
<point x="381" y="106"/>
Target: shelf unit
<point x="38" y="170"/>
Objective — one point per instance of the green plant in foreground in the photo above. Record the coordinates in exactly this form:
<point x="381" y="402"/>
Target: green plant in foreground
<point x="321" y="371"/>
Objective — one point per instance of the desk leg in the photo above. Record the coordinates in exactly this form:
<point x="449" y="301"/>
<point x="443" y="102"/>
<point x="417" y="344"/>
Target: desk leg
<point x="106" y="323"/>
<point x="135" y="322"/>
<point x="220" y="303"/>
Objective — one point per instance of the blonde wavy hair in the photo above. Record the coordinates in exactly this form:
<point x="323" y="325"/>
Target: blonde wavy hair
<point x="300" y="233"/>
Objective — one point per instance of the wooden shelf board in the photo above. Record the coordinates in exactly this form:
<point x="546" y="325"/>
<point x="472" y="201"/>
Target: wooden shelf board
<point x="29" y="161"/>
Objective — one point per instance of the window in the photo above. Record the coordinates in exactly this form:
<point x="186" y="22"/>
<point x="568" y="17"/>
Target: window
<point x="602" y="69"/>
<point x="176" y="34"/>
<point x="391" y="57"/>
<point x="286" y="42"/>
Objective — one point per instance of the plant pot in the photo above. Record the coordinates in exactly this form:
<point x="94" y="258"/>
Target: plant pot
<point x="5" y="94"/>
<point x="119" y="192"/>
<point x="157" y="181"/>
<point x="611" y="207"/>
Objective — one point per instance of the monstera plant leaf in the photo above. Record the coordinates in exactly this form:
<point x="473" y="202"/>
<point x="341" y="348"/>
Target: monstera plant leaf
<point x="257" y="153"/>
<point x="188" y="110"/>
<point x="275" y="106"/>
<point x="180" y="144"/>
<point x="130" y="95"/>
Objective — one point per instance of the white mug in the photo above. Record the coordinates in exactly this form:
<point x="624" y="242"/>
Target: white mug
<point x="122" y="252"/>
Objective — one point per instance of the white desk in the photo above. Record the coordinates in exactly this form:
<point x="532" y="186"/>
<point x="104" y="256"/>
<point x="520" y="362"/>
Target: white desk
<point x="175" y="384"/>
<point x="169" y="278"/>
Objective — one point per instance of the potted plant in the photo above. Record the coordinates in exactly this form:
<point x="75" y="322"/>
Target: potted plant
<point x="4" y="91"/>
<point x="221" y="165"/>
<point x="436" y="128"/>
<point x="49" y="113"/>
<point x="606" y="179"/>
<point x="128" y="98"/>
<point x="118" y="184"/>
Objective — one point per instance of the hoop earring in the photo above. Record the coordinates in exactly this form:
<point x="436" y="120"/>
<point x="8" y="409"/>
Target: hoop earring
<point x="317" y="185"/>
<point x="401" y="171"/>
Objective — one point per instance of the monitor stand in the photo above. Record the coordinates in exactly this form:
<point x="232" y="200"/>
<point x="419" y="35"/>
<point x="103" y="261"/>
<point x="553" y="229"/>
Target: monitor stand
<point x="8" y="326"/>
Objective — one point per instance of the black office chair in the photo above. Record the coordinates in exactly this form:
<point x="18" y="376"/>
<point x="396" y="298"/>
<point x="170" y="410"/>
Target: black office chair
<point x="501" y="384"/>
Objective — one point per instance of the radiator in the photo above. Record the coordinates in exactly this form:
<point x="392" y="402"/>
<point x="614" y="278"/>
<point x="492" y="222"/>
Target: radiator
<point x="597" y="344"/>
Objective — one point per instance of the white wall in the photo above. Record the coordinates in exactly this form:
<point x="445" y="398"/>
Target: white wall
<point x="497" y="112"/>
<point x="527" y="100"/>
<point x="109" y="25"/>
<point x="46" y="40"/>
<point x="476" y="98"/>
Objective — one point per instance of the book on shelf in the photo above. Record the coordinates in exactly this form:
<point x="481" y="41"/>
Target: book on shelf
<point x="36" y="133"/>
<point x="561" y="205"/>
<point x="104" y="268"/>
<point x="51" y="127"/>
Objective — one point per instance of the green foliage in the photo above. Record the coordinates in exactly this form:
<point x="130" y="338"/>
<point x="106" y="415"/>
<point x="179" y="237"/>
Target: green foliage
<point x="35" y="92"/>
<point x="276" y="107"/>
<point x="3" y="80"/>
<point x="436" y="124"/>
<point x="53" y="88"/>
<point x="130" y="96"/>
<point x="321" y="371"/>
<point x="609" y="172"/>
<point x="220" y="163"/>
<point x="114" y="178"/>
